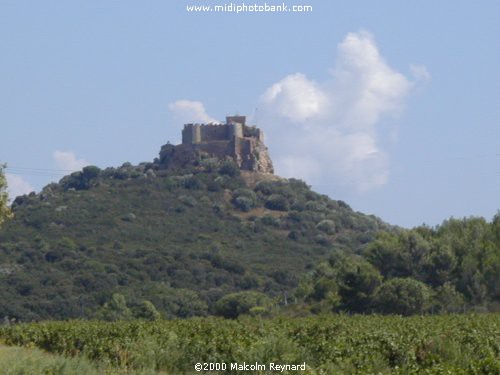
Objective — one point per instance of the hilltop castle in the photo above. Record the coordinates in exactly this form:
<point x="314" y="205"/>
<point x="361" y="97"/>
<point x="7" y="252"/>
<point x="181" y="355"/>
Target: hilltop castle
<point x="234" y="139"/>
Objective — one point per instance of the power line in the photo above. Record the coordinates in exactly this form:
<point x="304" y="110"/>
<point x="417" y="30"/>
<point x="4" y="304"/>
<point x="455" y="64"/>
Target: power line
<point x="41" y="169"/>
<point x="36" y="174"/>
<point x="40" y="172"/>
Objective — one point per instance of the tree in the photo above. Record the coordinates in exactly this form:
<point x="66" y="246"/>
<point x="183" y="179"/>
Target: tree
<point x="115" y="309"/>
<point x="439" y="265"/>
<point x="5" y="212"/>
<point x="404" y="296"/>
<point x="147" y="311"/>
<point x="388" y="255"/>
<point x="358" y="281"/>
<point x="82" y="180"/>
<point x="235" y="304"/>
<point x="447" y="300"/>
<point x="344" y="281"/>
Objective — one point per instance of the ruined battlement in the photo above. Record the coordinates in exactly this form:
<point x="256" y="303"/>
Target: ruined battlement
<point x="235" y="127"/>
<point x="235" y="139"/>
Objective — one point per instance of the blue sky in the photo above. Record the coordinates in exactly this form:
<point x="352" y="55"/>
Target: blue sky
<point x="390" y="106"/>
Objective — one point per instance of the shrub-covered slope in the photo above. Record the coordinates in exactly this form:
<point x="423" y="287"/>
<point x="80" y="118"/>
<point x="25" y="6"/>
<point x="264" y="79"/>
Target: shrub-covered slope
<point x="203" y="238"/>
<point x="180" y="239"/>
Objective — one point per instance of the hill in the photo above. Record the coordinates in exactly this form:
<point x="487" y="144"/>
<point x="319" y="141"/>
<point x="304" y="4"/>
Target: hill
<point x="207" y="228"/>
<point x="179" y="238"/>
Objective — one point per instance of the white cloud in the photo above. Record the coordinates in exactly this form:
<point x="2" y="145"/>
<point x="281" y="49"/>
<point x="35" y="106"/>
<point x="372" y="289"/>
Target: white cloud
<point x="67" y="161"/>
<point x="187" y="111"/>
<point x="328" y="132"/>
<point x="17" y="186"/>
<point x="296" y="98"/>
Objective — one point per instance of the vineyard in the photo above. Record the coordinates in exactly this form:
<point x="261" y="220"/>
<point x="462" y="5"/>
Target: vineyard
<point x="447" y="344"/>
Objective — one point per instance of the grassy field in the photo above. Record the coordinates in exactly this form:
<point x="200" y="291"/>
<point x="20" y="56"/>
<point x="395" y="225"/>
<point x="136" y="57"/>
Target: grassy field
<point x="448" y="344"/>
<point x="20" y="361"/>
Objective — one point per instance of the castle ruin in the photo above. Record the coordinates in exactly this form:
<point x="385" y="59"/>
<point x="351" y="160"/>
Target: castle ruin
<point x="234" y="139"/>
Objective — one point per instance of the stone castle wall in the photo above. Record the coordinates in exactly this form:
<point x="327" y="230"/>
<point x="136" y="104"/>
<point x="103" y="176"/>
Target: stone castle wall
<point x="219" y="149"/>
<point x="200" y="133"/>
<point x="245" y="144"/>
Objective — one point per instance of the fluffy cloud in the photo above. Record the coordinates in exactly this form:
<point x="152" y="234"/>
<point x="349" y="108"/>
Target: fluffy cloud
<point x="327" y="132"/>
<point x="297" y="98"/>
<point x="67" y="161"/>
<point x="16" y="186"/>
<point x="187" y="111"/>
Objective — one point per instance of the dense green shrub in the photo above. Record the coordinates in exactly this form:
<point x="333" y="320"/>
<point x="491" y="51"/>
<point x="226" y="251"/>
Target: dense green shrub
<point x="327" y="226"/>
<point x="244" y="199"/>
<point x="82" y="180"/>
<point x="194" y="183"/>
<point x="447" y="299"/>
<point x="188" y="200"/>
<point x="277" y="202"/>
<point x="270" y="220"/>
<point x="235" y="304"/>
<point x="323" y="239"/>
<point x="402" y="296"/>
<point x="229" y="168"/>
<point x="147" y="311"/>
<point x="267" y="187"/>
<point x="243" y="203"/>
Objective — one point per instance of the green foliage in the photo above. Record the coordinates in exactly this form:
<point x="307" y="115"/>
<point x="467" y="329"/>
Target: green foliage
<point x="243" y="203"/>
<point x="20" y="361"/>
<point x="358" y="281"/>
<point x="343" y="283"/>
<point x="448" y="300"/>
<point x="244" y="199"/>
<point x="388" y="254"/>
<point x="178" y="238"/>
<point x="235" y="304"/>
<point x="402" y="296"/>
<point x="327" y="226"/>
<point x="67" y="244"/>
<point x="285" y="188"/>
<point x="188" y="200"/>
<point x="447" y="344"/>
<point x="194" y="183"/>
<point x="115" y="309"/>
<point x="229" y="168"/>
<point x="147" y="311"/>
<point x="179" y="232"/>
<point x="267" y="187"/>
<point x="277" y="202"/>
<point x="439" y="265"/>
<point x="82" y="180"/>
<point x="462" y="254"/>
<point x="5" y="212"/>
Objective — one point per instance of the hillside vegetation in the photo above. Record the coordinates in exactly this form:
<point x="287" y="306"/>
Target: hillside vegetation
<point x="137" y="241"/>
<point x="179" y="239"/>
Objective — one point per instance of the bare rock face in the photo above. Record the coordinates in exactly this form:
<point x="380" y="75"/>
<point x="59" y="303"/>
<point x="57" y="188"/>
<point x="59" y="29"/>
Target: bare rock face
<point x="234" y="139"/>
<point x="257" y="158"/>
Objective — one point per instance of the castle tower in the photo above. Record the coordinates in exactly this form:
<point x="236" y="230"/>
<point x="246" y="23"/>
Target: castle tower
<point x="191" y="134"/>
<point x="236" y="124"/>
<point x="236" y="119"/>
